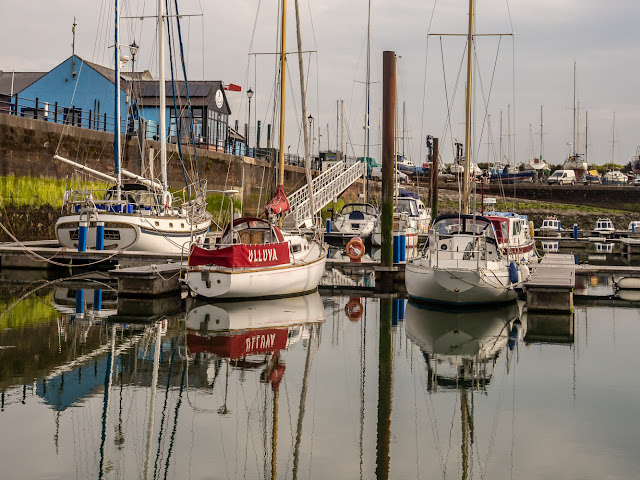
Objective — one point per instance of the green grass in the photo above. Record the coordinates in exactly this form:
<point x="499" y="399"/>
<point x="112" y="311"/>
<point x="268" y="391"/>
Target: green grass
<point x="29" y="311"/>
<point x="38" y="192"/>
<point x="219" y="207"/>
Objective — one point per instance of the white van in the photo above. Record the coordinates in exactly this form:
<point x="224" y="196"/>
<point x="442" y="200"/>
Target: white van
<point x="562" y="177"/>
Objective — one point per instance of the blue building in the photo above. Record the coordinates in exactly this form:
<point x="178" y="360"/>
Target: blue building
<point x="76" y="92"/>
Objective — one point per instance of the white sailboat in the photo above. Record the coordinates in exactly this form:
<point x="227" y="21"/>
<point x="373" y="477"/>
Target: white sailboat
<point x="141" y="216"/>
<point x="575" y="161"/>
<point x="357" y="219"/>
<point x="461" y="264"/>
<point x="254" y="258"/>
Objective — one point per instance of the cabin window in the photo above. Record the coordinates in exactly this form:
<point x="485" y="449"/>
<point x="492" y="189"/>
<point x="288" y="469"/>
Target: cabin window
<point x="170" y="224"/>
<point x="157" y="223"/>
<point x="182" y="225"/>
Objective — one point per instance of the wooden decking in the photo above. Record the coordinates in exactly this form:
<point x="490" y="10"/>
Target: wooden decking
<point x="550" y="288"/>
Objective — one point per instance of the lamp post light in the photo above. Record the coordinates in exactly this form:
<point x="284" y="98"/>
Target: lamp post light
<point x="249" y="95"/>
<point x="310" y="118"/>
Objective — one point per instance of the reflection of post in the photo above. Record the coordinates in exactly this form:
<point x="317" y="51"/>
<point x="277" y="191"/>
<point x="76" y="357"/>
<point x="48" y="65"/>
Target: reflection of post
<point x="274" y="434"/>
<point x="384" y="390"/>
<point x="464" y="415"/>
<point x="154" y="384"/>
<point x="105" y="409"/>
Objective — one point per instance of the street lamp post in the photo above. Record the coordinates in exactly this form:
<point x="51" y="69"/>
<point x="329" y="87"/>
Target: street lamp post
<point x="249" y="95"/>
<point x="310" y="118"/>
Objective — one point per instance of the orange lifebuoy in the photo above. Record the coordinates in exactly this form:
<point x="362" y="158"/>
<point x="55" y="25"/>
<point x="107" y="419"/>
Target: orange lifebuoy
<point x="354" y="309"/>
<point x="355" y="249"/>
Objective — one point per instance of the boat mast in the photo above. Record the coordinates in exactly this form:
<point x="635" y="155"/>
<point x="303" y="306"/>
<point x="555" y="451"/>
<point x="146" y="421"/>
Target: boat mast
<point x="116" y="133"/>
<point x="574" y="109"/>
<point x="163" y="99"/>
<point x="283" y="61"/>
<point x="367" y="101"/>
<point x="586" y="138"/>
<point x="613" y="142"/>
<point x="541" y="127"/>
<point x="303" y="94"/>
<point x="467" y="133"/>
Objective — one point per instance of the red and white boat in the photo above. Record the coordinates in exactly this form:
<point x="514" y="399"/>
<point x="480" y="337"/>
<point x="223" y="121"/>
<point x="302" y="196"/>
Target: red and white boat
<point x="254" y="259"/>
<point x="514" y="237"/>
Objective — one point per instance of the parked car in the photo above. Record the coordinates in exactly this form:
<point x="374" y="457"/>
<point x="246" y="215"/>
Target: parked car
<point x="562" y="177"/>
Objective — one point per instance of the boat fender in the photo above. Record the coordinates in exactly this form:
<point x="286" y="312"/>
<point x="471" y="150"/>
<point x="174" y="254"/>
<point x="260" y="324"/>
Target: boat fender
<point x="524" y="272"/>
<point x="513" y="272"/>
<point x="166" y="199"/>
<point x="532" y="232"/>
<point x="353" y="309"/>
<point x="355" y="249"/>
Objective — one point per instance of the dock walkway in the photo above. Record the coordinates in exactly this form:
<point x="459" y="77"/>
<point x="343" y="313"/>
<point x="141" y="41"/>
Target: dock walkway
<point x="550" y="288"/>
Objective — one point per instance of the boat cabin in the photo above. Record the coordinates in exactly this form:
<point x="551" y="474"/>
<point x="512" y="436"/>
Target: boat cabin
<point x="461" y="237"/>
<point x="357" y="211"/>
<point x="551" y="223"/>
<point x="604" y="225"/>
<point x="250" y="231"/>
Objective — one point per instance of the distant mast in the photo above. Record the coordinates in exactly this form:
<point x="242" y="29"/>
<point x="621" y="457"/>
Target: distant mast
<point x="163" y="98"/>
<point x="467" y="133"/>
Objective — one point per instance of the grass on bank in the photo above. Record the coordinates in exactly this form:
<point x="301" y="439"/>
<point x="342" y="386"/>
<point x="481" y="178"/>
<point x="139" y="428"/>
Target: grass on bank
<point x="533" y="206"/>
<point x="38" y="192"/>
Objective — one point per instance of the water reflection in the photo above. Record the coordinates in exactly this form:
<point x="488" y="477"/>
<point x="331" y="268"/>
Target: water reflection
<point x="460" y="349"/>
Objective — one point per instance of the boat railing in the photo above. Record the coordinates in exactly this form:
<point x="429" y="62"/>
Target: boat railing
<point x="478" y="250"/>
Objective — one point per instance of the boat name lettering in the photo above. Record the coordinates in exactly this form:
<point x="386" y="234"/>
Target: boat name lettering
<point x="266" y="255"/>
<point x="261" y="342"/>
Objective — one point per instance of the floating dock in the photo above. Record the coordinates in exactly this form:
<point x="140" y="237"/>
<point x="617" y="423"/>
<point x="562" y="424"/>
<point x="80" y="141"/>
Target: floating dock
<point x="552" y="282"/>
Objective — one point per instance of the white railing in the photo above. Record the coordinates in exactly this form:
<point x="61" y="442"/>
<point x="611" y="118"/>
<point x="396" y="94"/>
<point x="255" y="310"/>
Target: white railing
<point x="330" y="189"/>
<point x="302" y="194"/>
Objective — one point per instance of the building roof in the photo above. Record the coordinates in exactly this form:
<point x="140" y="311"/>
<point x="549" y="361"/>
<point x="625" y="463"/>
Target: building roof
<point x="21" y="80"/>
<point x="201" y="93"/>
<point x="109" y="73"/>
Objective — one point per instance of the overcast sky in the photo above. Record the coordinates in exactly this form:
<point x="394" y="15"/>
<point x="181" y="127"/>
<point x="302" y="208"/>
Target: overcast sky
<point x="533" y="68"/>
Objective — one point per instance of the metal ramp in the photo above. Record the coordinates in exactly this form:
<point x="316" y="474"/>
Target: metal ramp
<point x="326" y="187"/>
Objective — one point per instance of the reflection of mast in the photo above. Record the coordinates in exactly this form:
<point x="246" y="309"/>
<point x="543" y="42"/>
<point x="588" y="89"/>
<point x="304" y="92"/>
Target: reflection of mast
<point x="154" y="385"/>
<point x="107" y="387"/>
<point x="363" y="357"/>
<point x="274" y="430"/>
<point x="303" y="397"/>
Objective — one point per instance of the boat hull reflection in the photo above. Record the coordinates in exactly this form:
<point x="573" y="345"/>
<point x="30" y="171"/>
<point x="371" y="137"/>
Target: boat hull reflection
<point x="458" y="346"/>
<point x="237" y="329"/>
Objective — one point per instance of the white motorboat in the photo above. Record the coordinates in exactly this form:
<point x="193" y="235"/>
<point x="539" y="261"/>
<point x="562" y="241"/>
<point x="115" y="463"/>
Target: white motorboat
<point x="604" y="226"/>
<point x="614" y="177"/>
<point x="634" y="226"/>
<point x="461" y="265"/>
<point x="357" y="219"/>
<point x="514" y="236"/>
<point x="254" y="259"/>
<point x="551" y="226"/>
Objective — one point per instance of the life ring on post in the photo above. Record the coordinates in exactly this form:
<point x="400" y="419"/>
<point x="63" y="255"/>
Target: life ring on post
<point x="355" y="249"/>
<point x="354" y="309"/>
<point x="166" y="200"/>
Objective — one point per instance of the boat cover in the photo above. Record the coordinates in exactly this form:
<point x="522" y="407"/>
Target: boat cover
<point x="279" y="203"/>
<point x="241" y="256"/>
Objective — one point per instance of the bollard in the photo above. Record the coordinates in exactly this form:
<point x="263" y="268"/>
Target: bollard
<point x="99" y="235"/>
<point x="80" y="301"/>
<point x="97" y="300"/>
<point x="559" y="225"/>
<point x="575" y="231"/>
<point x="328" y="225"/>
<point x="82" y="236"/>
<point x="403" y="248"/>
<point x="396" y="247"/>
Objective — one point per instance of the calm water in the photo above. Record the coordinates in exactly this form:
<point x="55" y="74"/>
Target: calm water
<point x="299" y="389"/>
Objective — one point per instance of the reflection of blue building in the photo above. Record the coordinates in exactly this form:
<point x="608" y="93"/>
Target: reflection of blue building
<point x="66" y="389"/>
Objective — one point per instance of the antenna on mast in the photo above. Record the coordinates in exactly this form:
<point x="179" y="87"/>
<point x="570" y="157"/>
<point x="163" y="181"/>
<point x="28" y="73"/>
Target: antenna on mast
<point x="73" y="49"/>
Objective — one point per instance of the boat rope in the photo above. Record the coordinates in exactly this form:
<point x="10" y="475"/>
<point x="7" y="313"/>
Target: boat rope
<point x="186" y="84"/>
<point x="37" y="257"/>
<point x="173" y="92"/>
